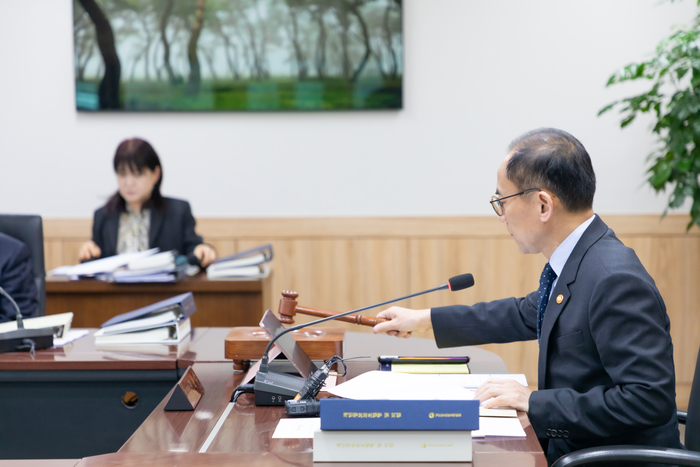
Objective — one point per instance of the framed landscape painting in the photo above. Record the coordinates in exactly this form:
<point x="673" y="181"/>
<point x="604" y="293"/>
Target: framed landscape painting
<point x="235" y="55"/>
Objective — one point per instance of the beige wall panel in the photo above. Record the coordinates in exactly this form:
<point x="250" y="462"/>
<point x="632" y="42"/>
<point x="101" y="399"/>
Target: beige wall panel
<point x="68" y="228"/>
<point x="499" y="270"/>
<point x="430" y="227"/>
<point x="53" y="254"/>
<point x="224" y="247"/>
<point x="682" y="395"/>
<point x="353" y="227"/>
<point x="673" y="224"/>
<point x="338" y="275"/>
<point x="71" y="248"/>
<point x="341" y="264"/>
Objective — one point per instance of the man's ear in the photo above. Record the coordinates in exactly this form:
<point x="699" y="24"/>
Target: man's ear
<point x="546" y="205"/>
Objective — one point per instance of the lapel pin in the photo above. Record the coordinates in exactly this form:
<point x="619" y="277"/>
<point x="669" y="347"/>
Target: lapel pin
<point x="560" y="298"/>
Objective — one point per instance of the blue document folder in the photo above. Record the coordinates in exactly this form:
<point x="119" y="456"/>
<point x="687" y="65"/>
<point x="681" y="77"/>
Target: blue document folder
<point x="379" y="414"/>
<point x="184" y="301"/>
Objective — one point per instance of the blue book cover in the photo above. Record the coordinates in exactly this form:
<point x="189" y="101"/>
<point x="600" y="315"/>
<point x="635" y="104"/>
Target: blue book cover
<point x="266" y="250"/>
<point x="375" y="414"/>
<point x="185" y="300"/>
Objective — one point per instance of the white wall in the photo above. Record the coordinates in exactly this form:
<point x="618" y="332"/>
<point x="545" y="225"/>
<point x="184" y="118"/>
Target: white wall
<point x="478" y="73"/>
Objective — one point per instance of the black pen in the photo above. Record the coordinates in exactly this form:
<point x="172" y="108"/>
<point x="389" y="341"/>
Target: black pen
<point x="422" y="360"/>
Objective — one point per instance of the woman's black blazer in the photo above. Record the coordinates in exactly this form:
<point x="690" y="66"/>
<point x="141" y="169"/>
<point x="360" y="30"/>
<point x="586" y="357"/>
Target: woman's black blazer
<point x="172" y="228"/>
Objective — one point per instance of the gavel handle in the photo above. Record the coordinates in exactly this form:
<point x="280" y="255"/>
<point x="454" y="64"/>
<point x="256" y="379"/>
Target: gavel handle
<point x="355" y="319"/>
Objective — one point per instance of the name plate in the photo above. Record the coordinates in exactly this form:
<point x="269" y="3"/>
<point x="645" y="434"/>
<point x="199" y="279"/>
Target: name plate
<point x="187" y="393"/>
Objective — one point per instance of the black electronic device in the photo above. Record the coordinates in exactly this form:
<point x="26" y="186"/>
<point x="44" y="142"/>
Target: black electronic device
<point x="21" y="338"/>
<point x="273" y="388"/>
<point x="423" y="360"/>
<point x="303" y="408"/>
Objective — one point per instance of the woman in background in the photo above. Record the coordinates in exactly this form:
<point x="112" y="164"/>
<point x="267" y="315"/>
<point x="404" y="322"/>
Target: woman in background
<point x="137" y="217"/>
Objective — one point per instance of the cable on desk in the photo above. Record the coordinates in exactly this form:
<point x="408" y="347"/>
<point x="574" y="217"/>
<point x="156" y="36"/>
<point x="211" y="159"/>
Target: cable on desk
<point x="242" y="389"/>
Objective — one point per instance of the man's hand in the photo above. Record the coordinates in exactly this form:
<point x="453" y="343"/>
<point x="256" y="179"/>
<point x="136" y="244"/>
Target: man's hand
<point x="205" y="253"/>
<point x="504" y="392"/>
<point x="403" y="321"/>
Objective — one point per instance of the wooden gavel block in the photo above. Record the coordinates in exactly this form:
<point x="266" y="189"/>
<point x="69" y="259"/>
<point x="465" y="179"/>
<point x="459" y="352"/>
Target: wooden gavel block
<point x="245" y="343"/>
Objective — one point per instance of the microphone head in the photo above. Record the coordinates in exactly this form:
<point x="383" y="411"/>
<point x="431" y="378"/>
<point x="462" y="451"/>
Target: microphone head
<point x="461" y="282"/>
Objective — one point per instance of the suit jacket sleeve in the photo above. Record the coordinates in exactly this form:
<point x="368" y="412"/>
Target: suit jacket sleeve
<point x="105" y="227"/>
<point x="97" y="221"/>
<point x="500" y="321"/>
<point x="191" y="239"/>
<point x="18" y="282"/>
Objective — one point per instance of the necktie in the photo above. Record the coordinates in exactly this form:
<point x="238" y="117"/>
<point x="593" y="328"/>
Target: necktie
<point x="546" y="280"/>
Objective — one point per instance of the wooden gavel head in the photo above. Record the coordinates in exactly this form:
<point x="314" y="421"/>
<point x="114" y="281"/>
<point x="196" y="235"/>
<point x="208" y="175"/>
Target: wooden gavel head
<point x="288" y="306"/>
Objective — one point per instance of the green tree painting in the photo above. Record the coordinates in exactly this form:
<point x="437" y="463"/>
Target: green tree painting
<point x="221" y="55"/>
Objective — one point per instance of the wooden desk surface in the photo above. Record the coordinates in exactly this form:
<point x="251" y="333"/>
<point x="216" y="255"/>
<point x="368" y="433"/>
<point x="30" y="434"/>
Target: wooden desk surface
<point x="168" y="438"/>
<point x="219" y="303"/>
<point x="203" y="344"/>
<point x="40" y="463"/>
<point x="246" y="435"/>
<point x="198" y="283"/>
<point x="276" y="459"/>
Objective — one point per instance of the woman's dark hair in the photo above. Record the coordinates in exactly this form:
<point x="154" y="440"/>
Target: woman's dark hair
<point x="555" y="160"/>
<point x="136" y="154"/>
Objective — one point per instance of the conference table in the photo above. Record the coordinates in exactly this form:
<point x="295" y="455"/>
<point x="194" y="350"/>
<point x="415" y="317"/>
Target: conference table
<point x="81" y="399"/>
<point x="166" y="438"/>
<point x="220" y="303"/>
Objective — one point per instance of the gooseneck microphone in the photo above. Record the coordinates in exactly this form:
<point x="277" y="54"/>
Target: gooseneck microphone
<point x="24" y="339"/>
<point x="284" y="386"/>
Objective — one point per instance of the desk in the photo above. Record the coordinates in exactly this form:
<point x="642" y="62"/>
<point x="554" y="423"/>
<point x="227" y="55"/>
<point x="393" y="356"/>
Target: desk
<point x="67" y="402"/>
<point x="219" y="303"/>
<point x="71" y="398"/>
<point x="40" y="463"/>
<point x="166" y="438"/>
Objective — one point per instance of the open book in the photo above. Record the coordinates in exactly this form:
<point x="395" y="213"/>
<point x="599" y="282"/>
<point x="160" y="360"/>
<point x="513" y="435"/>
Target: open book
<point x="60" y="323"/>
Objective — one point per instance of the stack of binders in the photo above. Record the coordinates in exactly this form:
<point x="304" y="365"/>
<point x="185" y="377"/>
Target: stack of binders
<point x="165" y="322"/>
<point x="249" y="264"/>
<point x="396" y="430"/>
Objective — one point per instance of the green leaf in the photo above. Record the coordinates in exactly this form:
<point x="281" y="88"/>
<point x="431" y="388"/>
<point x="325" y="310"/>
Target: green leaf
<point x="608" y="107"/>
<point x="627" y="121"/>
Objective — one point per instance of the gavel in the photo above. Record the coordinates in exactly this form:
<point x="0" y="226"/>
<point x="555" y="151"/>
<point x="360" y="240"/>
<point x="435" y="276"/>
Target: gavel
<point x="289" y="308"/>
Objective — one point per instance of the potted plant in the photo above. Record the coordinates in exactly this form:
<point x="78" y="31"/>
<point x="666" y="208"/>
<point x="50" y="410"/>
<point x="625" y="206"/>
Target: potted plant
<point x="674" y="99"/>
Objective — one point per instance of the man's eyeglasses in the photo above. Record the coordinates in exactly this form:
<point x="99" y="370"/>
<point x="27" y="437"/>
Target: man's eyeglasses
<point x="496" y="201"/>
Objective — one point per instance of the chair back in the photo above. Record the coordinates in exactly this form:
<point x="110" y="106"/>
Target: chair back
<point x="692" y="423"/>
<point x="29" y="229"/>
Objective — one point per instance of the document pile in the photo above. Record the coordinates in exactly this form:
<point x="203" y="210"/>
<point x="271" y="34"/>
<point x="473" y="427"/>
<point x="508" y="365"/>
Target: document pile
<point x="142" y="266"/>
<point x="60" y="323"/>
<point x="396" y="430"/>
<point x="249" y="264"/>
<point x="165" y="322"/>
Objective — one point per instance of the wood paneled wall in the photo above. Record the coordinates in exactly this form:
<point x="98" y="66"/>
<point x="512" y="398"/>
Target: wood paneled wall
<point x="342" y="264"/>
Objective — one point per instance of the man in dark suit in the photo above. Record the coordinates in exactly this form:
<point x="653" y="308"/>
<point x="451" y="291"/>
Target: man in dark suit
<point x="606" y="374"/>
<point x="16" y="278"/>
